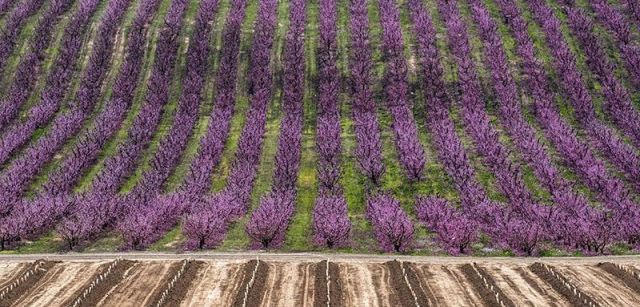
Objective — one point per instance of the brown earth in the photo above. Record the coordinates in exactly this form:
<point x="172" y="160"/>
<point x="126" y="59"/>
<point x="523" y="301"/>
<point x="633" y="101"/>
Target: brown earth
<point x="60" y="284"/>
<point x="627" y="278"/>
<point x="138" y="285"/>
<point x="423" y="293"/>
<point x="449" y="285"/>
<point x="604" y="289"/>
<point x="559" y="283"/>
<point x="399" y="284"/>
<point x="289" y="284"/>
<point x="163" y="283"/>
<point x="255" y="293"/>
<point x="476" y="282"/>
<point x="216" y="283"/>
<point x="523" y="287"/>
<point x="176" y="294"/>
<point x="24" y="281"/>
<point x="335" y="286"/>
<point x="334" y="295"/>
<point x="321" y="299"/>
<point x="8" y="271"/>
<point x="103" y="287"/>
<point x="354" y="282"/>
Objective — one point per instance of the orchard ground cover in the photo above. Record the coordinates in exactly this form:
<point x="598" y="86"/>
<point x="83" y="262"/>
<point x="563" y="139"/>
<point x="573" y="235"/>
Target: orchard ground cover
<point x="485" y="127"/>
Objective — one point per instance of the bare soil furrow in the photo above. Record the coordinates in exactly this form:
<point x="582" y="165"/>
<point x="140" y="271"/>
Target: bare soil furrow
<point x="135" y="289"/>
<point x="217" y="283"/>
<point x="604" y="289"/>
<point x="453" y="276"/>
<point x="174" y="288"/>
<point x="562" y="285"/>
<point x="272" y="286"/>
<point x="288" y="284"/>
<point x="23" y="283"/>
<point x="423" y="294"/>
<point x="625" y="276"/>
<point x="106" y="277"/>
<point x="482" y="282"/>
<point x="8" y="271"/>
<point x="253" y="283"/>
<point x="398" y="283"/>
<point x="357" y="285"/>
<point x="64" y="283"/>
<point x="327" y="285"/>
<point x="304" y="283"/>
<point x="308" y="283"/>
<point x="381" y="277"/>
<point x="523" y="287"/>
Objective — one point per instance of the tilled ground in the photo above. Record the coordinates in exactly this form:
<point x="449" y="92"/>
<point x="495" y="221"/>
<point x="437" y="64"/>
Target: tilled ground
<point x="344" y="282"/>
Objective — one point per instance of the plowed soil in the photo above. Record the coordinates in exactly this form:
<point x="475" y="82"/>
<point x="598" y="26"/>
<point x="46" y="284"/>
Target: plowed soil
<point x="118" y="272"/>
<point x="399" y="284"/>
<point x="523" y="287"/>
<point x="254" y="279"/>
<point x="176" y="294"/>
<point x="571" y="292"/>
<point x="302" y="282"/>
<point x="626" y="277"/>
<point x="484" y="284"/>
<point x="23" y="283"/>
<point x="423" y="293"/>
<point x="448" y="285"/>
<point x="327" y="296"/>
<point x="216" y="283"/>
<point x="605" y="289"/>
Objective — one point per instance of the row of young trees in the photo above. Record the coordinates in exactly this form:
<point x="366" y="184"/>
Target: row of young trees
<point x="209" y="218"/>
<point x="173" y="144"/>
<point x="475" y="118"/>
<point x="122" y="164"/>
<point x="530" y="224"/>
<point x="27" y="72"/>
<point x="269" y="222"/>
<point x="57" y="84"/>
<point x="363" y="107"/>
<point x="503" y="224"/>
<point x="331" y="225"/>
<point x="144" y="216"/>
<point x="391" y="225"/>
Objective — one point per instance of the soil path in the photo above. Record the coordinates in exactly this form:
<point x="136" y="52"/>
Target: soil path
<point x="357" y="285"/>
<point x="523" y="287"/>
<point x="138" y="285"/>
<point x="9" y="270"/>
<point x="216" y="283"/>
<point x="58" y="284"/>
<point x="604" y="288"/>
<point x="448" y="285"/>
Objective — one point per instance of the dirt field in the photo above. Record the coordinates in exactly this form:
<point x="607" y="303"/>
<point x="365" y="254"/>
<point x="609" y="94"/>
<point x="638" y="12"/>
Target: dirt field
<point x="349" y="281"/>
